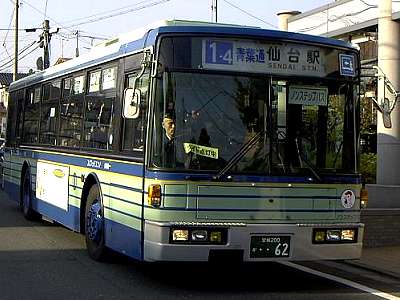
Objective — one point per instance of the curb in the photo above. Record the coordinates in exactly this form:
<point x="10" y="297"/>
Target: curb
<point x="367" y="267"/>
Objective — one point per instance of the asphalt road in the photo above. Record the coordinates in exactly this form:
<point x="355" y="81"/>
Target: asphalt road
<point x="40" y="260"/>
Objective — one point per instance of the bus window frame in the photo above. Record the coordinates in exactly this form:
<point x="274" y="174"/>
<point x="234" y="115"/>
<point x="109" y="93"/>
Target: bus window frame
<point x="132" y="65"/>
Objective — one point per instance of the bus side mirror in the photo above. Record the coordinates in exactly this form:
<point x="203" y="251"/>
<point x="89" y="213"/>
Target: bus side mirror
<point x="131" y="103"/>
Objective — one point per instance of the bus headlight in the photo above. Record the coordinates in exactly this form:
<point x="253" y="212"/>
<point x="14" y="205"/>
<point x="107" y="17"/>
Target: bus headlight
<point x="319" y="236"/>
<point x="337" y="235"/>
<point x="180" y="235"/>
<point x="348" y="235"/>
<point x="216" y="237"/>
<point x="333" y="235"/>
<point x="199" y="235"/>
<point x="364" y="198"/>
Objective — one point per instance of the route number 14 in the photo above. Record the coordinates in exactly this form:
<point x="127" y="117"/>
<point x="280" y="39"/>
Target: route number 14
<point x="219" y="53"/>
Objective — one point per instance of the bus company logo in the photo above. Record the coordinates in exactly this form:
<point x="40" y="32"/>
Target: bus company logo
<point x="58" y="173"/>
<point x="348" y="199"/>
<point x="94" y="164"/>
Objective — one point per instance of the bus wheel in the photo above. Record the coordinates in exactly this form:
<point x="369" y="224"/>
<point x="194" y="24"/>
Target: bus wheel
<point x="26" y="201"/>
<point x="94" y="226"/>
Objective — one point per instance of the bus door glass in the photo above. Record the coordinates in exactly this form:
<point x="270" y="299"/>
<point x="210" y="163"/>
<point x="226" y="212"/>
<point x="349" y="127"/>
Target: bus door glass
<point x="309" y="127"/>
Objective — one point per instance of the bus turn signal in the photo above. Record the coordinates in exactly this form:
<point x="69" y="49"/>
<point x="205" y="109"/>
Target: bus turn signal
<point x="154" y="195"/>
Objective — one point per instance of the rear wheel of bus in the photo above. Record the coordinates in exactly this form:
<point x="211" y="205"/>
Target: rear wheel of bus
<point x="26" y="198"/>
<point x="94" y="225"/>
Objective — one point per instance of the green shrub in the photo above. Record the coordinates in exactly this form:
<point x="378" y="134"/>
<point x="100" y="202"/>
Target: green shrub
<point x="368" y="167"/>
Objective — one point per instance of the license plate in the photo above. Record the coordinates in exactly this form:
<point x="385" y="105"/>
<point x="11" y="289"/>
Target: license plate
<point x="269" y="246"/>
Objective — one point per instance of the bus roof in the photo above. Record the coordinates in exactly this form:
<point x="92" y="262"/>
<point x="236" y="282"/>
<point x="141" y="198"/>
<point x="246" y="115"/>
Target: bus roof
<point x="131" y="42"/>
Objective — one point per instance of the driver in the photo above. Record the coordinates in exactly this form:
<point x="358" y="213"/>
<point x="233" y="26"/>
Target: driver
<point x="168" y="124"/>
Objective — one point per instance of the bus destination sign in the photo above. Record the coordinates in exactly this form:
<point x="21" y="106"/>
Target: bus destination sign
<point x="274" y="58"/>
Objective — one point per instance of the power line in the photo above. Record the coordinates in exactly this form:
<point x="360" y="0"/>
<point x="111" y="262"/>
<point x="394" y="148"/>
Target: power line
<point x="119" y="13"/>
<point x="5" y="51"/>
<point x="9" y="25"/>
<point x="370" y="5"/>
<point x="103" y="13"/>
<point x="42" y="13"/>
<point x="337" y="18"/>
<point x="21" y="40"/>
<point x="20" y="29"/>
<point x="20" y="52"/>
<point x="45" y="10"/>
<point x="95" y="34"/>
<point x="3" y="67"/>
<point x="7" y="64"/>
<point x="20" y="58"/>
<point x="249" y="14"/>
<point x="5" y="37"/>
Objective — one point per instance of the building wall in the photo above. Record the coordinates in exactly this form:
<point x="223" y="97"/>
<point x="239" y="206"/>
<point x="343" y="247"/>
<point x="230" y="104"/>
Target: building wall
<point x="3" y="127"/>
<point x="339" y="17"/>
<point x="382" y="227"/>
<point x="4" y="96"/>
<point x="359" y="19"/>
<point x="3" y="110"/>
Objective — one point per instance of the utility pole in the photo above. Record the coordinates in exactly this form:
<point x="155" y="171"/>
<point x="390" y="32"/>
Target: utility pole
<point x="16" y="41"/>
<point x="46" y="44"/>
<point x="77" y="44"/>
<point x="214" y="11"/>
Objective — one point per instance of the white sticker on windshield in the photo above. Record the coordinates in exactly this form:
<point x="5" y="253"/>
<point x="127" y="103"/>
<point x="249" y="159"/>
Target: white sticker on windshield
<point x="201" y="150"/>
<point x="308" y="95"/>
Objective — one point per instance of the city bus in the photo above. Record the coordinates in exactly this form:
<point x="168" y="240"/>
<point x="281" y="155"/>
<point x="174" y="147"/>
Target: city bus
<point x="192" y="141"/>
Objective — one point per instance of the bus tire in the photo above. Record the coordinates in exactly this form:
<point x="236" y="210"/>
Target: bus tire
<point x="94" y="225"/>
<point x="26" y="198"/>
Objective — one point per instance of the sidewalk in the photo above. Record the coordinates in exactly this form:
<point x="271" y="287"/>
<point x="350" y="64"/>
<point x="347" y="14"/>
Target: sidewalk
<point x="384" y="260"/>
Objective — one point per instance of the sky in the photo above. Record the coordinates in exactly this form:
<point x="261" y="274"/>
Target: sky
<point x="102" y="19"/>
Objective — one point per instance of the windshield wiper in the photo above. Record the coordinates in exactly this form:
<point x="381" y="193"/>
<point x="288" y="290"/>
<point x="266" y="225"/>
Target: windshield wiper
<point x="307" y="163"/>
<point x="239" y="154"/>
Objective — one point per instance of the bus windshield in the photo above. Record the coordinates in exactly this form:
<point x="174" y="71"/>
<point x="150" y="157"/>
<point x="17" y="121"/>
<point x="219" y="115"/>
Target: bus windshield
<point x="213" y="96"/>
<point x="202" y="120"/>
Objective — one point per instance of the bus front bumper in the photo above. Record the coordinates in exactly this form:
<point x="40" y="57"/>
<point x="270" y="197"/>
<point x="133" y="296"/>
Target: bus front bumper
<point x="159" y="247"/>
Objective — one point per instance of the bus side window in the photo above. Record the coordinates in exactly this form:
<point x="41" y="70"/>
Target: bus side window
<point x="50" y="111"/>
<point x="15" y="116"/>
<point x="134" y="129"/>
<point x="71" y="113"/>
<point x="100" y="99"/>
<point x="31" y="116"/>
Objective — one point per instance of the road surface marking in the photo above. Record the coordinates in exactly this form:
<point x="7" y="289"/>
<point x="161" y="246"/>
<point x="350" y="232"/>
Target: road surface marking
<point x="342" y="281"/>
